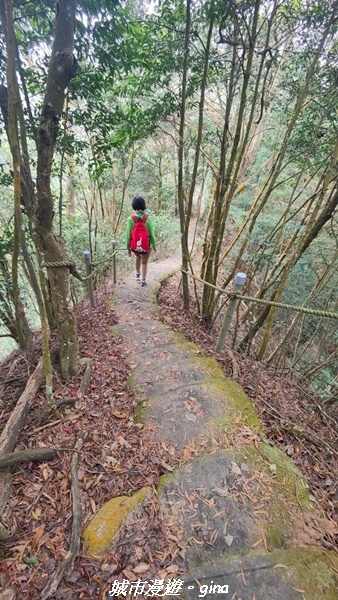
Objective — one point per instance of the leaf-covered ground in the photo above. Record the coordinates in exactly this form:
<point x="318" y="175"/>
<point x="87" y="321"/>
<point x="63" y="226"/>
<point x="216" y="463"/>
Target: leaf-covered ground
<point x="120" y="456"/>
<point x="117" y="458"/>
<point x="295" y="419"/>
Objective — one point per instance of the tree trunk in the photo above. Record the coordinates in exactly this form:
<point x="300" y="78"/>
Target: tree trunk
<point x="227" y="174"/>
<point x="180" y="190"/>
<point x="60" y="72"/>
<point x="324" y="216"/>
<point x="39" y="205"/>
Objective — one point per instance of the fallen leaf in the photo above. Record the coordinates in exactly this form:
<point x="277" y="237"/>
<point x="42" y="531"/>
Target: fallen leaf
<point x="172" y="569"/>
<point x="128" y="574"/>
<point x="235" y="468"/>
<point x="31" y="560"/>
<point x="220" y="491"/>
<point x="67" y="429"/>
<point x="141" y="568"/>
<point x="119" y="415"/>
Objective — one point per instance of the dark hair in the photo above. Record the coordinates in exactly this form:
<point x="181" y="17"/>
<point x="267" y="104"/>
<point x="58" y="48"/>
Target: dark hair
<point x="138" y="203"/>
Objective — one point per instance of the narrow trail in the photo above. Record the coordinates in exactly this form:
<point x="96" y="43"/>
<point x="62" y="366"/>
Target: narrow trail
<point x="248" y="523"/>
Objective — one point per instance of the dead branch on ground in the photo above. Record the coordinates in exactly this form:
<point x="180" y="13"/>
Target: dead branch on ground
<point x="75" y="541"/>
<point x="30" y="455"/>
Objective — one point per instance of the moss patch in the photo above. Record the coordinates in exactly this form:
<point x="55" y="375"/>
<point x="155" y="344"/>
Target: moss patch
<point x="104" y="526"/>
<point x="164" y="482"/>
<point x="113" y="300"/>
<point x="287" y="473"/>
<point x="141" y="412"/>
<point x="298" y="573"/>
<point x="241" y="402"/>
<point x="114" y="330"/>
<point x="312" y="571"/>
<point x="180" y="339"/>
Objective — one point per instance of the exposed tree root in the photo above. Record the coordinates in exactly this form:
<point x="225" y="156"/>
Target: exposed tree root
<point x="75" y="541"/>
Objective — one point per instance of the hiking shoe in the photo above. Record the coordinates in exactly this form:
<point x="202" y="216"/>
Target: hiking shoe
<point x="143" y="282"/>
<point x="138" y="274"/>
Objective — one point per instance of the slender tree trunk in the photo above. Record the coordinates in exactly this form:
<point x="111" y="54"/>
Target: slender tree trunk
<point x="200" y="127"/>
<point x="127" y="176"/>
<point x="308" y="237"/>
<point x="226" y="181"/>
<point x="180" y="188"/>
<point x="13" y="135"/>
<point x="275" y="170"/>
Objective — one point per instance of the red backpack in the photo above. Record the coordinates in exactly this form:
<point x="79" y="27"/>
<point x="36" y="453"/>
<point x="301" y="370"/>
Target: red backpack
<point x="139" y="237"/>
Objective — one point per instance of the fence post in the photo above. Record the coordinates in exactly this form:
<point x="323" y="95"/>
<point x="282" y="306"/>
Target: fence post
<point x="90" y="287"/>
<point x="114" y="260"/>
<point x="239" y="284"/>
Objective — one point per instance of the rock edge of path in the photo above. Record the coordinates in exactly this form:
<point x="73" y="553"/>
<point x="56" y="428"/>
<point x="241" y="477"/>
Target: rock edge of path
<point x="250" y="528"/>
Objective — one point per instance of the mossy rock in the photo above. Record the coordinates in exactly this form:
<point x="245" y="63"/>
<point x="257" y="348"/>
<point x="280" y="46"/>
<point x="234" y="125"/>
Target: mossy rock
<point x="302" y="573"/>
<point x="234" y="393"/>
<point x="104" y="526"/>
<point x="113" y="300"/>
<point x="272" y="460"/>
<point x="141" y="412"/>
<point x="237" y="490"/>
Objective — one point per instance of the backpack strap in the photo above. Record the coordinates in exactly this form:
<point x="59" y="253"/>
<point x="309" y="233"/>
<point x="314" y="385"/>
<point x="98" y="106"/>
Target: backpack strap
<point x="136" y="220"/>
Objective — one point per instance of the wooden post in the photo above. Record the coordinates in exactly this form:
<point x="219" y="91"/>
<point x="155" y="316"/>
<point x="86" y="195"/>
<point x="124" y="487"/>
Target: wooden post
<point x="90" y="287"/>
<point x="114" y="260"/>
<point x="239" y="284"/>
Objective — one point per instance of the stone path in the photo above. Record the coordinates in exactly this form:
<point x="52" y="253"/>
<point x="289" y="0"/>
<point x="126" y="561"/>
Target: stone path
<point x="249" y="524"/>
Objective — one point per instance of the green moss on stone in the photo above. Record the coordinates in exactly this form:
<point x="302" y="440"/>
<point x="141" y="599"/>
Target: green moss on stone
<point x="155" y="291"/>
<point x="312" y="572"/>
<point x="141" y="412"/>
<point x="112" y="300"/>
<point x="234" y="393"/>
<point x="164" y="482"/>
<point x="287" y="473"/>
<point x="191" y="348"/>
<point x="105" y="524"/>
<point x="209" y="365"/>
<point x="131" y="382"/>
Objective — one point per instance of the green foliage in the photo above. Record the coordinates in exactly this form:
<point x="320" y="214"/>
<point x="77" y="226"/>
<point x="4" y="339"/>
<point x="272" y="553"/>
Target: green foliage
<point x="167" y="231"/>
<point x="6" y="241"/>
<point x="6" y="178"/>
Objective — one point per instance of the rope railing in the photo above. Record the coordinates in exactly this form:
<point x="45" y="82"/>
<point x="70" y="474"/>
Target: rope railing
<point x="101" y="262"/>
<point x="56" y="264"/>
<point x="215" y="287"/>
<point x="301" y="309"/>
<point x="236" y="296"/>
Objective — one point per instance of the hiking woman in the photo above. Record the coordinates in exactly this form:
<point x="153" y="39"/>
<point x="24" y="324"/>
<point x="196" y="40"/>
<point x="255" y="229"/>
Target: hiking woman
<point x="140" y="238"/>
